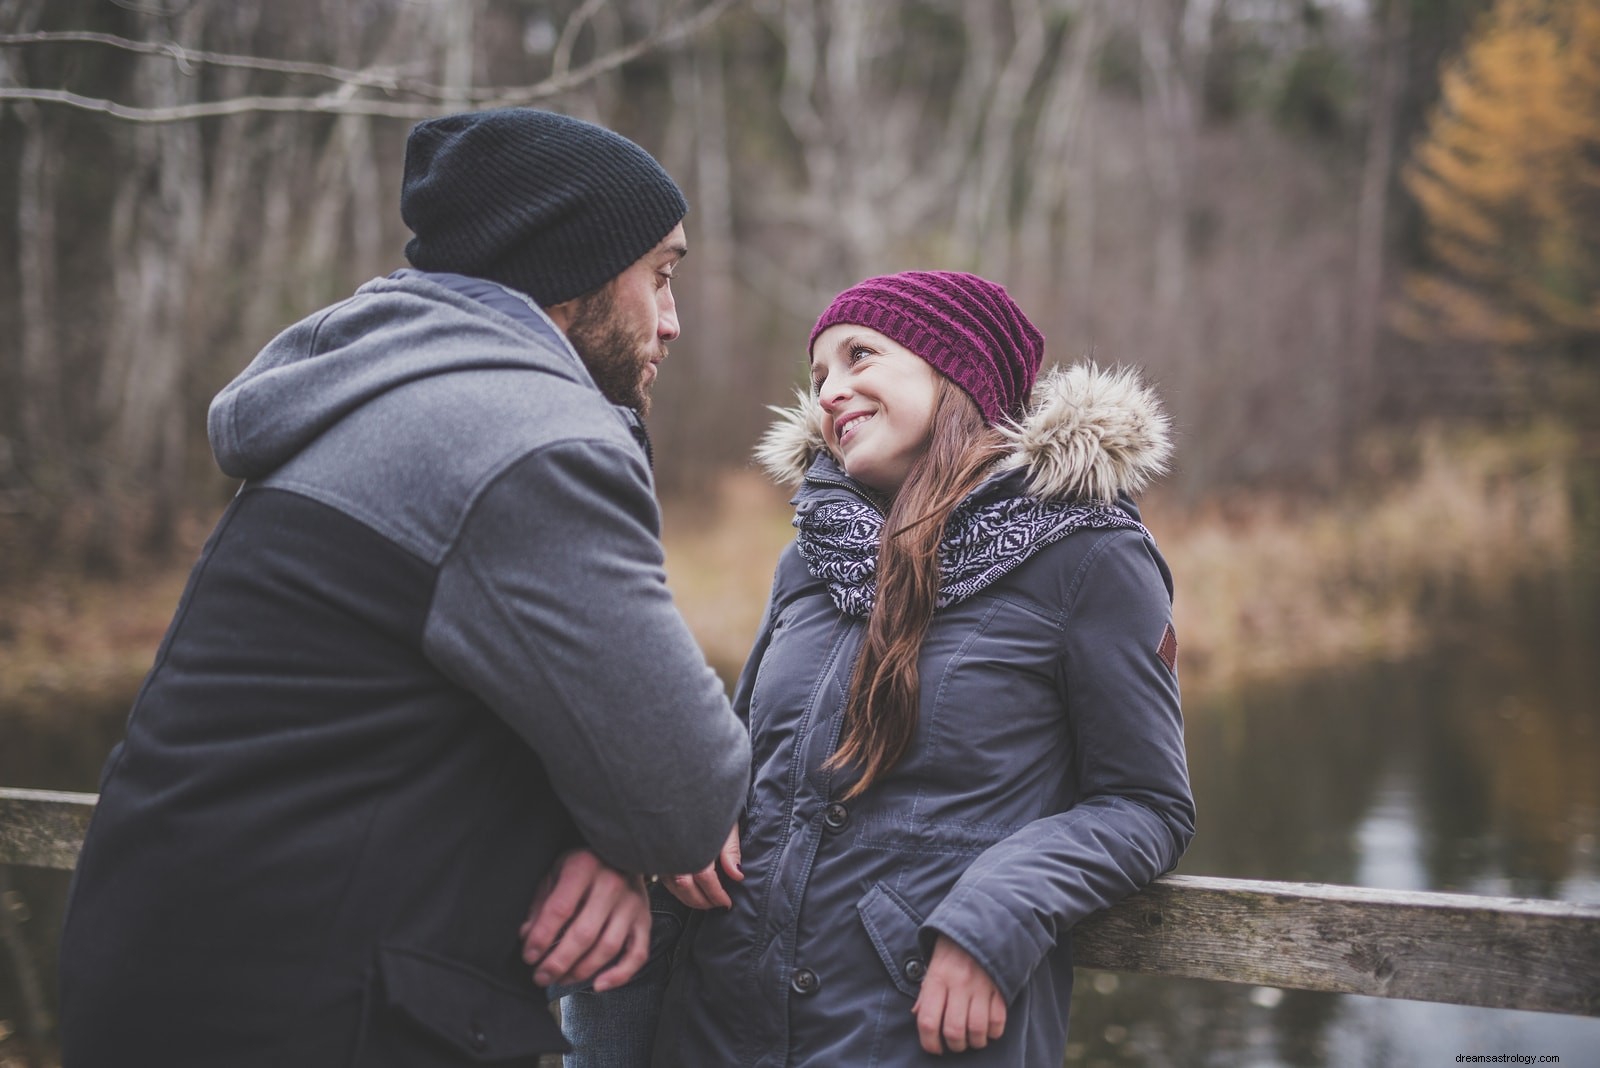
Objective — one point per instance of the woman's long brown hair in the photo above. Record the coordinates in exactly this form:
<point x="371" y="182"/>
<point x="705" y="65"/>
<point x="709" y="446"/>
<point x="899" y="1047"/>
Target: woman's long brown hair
<point x="880" y="716"/>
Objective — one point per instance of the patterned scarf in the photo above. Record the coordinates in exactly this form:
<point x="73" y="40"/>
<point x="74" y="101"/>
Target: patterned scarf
<point x="983" y="541"/>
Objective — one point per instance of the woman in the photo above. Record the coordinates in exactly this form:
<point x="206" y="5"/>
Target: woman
<point x="963" y="702"/>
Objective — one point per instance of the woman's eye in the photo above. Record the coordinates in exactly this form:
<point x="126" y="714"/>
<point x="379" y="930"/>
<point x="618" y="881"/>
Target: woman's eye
<point x="858" y="354"/>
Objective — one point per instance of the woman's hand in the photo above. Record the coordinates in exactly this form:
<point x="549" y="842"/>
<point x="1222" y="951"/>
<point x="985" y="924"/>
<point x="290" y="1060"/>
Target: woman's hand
<point x="959" y="1006"/>
<point x="704" y="889"/>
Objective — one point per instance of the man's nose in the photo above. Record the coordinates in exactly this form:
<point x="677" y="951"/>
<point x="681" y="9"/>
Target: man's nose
<point x="667" y="325"/>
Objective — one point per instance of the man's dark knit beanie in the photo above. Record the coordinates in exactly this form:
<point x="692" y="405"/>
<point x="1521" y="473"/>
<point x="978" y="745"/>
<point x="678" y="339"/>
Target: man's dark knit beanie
<point x="549" y="205"/>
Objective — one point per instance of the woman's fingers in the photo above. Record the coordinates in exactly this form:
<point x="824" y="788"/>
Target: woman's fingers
<point x="954" y="1025"/>
<point x="930" y="1016"/>
<point x="684" y="888"/>
<point x="997" y="1015"/>
<point x="731" y="856"/>
<point x="959" y="1006"/>
<point x="702" y="890"/>
<point x="712" y="890"/>
<point x="976" y="1035"/>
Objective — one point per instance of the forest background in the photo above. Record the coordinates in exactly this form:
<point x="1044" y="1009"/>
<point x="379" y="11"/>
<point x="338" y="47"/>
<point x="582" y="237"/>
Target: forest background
<point x="1355" y="246"/>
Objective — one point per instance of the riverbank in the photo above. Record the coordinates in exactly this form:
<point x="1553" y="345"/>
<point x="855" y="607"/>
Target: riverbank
<point x="1269" y="586"/>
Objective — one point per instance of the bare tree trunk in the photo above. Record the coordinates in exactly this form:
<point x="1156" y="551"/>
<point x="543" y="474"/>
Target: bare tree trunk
<point x="142" y="389"/>
<point x="1389" y="57"/>
<point x="990" y="202"/>
<point x="42" y="412"/>
<point x="1169" y="130"/>
<point x="1056" y="171"/>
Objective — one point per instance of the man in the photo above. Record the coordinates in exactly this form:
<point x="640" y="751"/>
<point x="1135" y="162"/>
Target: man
<point x="426" y="656"/>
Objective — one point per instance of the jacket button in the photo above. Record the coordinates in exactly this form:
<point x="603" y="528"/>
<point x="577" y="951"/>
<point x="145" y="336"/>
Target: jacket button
<point x="478" y="1040"/>
<point x="804" y="982"/>
<point x="915" y="970"/>
<point x="835" y="817"/>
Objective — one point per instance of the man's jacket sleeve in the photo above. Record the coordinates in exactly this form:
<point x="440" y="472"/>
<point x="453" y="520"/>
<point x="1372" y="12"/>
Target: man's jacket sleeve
<point x="1134" y="815"/>
<point x="553" y="608"/>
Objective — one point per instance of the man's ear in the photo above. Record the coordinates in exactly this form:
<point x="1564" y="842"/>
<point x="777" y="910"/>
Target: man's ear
<point x="562" y="314"/>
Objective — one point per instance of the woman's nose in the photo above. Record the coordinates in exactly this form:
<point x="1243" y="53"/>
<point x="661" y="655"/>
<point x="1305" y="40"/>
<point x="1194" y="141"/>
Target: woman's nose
<point x="832" y="392"/>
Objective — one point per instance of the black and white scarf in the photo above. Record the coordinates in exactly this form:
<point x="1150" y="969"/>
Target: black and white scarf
<point x="983" y="541"/>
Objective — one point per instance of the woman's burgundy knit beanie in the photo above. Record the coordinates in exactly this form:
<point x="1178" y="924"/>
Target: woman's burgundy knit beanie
<point x="967" y="327"/>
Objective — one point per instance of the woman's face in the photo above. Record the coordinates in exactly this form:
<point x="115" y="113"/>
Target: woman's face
<point x="878" y="400"/>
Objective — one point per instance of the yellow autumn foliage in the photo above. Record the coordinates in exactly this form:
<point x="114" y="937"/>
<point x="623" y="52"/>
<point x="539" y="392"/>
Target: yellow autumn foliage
<point x="1508" y="180"/>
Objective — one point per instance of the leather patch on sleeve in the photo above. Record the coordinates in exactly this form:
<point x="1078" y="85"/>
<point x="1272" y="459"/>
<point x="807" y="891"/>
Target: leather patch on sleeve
<point x="1168" y="649"/>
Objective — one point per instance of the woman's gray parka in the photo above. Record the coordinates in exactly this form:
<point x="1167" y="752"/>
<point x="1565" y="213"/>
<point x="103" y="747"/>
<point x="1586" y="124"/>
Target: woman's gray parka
<point x="1046" y="779"/>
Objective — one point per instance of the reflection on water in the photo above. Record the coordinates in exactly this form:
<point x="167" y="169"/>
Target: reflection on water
<point x="1474" y="769"/>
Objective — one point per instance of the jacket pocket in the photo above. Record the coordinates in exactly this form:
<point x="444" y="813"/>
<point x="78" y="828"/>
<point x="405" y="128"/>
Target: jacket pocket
<point x="473" y="1015"/>
<point x="892" y="926"/>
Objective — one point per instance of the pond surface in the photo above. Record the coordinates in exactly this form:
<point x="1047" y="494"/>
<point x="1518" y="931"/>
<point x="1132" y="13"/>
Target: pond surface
<point x="1475" y="768"/>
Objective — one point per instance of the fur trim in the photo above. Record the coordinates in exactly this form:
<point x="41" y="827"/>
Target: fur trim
<point x="1089" y="434"/>
<point x="790" y="444"/>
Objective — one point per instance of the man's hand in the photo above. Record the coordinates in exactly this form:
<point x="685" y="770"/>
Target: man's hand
<point x="703" y="889"/>
<point x="959" y="1004"/>
<point x="585" y="916"/>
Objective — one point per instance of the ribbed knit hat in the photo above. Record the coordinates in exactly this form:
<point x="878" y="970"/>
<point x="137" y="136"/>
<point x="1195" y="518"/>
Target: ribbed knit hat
<point x="544" y="203"/>
<point x="967" y="327"/>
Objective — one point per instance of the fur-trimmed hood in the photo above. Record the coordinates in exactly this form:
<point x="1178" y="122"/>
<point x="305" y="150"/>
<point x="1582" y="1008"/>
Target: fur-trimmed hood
<point x="1089" y="434"/>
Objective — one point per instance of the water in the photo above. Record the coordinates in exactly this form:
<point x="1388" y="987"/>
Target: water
<point x="1475" y="768"/>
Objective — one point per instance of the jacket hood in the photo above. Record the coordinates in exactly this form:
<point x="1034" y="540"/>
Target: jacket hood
<point x="1088" y="434"/>
<point x="394" y="331"/>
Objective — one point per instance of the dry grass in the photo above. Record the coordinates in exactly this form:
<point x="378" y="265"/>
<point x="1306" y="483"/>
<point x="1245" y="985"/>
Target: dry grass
<point x="1266" y="588"/>
<point x="720" y="556"/>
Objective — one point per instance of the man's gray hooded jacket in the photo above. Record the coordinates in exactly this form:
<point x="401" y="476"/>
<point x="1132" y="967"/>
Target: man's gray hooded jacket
<point x="428" y="647"/>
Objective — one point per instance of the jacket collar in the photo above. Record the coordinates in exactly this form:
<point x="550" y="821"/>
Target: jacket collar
<point x="1088" y="435"/>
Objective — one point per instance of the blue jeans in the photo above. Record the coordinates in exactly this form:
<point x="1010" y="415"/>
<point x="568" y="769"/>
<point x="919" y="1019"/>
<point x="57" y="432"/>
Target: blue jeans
<point x="617" y="1028"/>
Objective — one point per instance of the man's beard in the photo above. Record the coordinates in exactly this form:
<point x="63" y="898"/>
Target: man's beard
<point x="614" y="356"/>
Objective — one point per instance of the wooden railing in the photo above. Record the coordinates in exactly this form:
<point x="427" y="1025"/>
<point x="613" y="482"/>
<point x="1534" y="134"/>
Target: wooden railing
<point x="1504" y="953"/>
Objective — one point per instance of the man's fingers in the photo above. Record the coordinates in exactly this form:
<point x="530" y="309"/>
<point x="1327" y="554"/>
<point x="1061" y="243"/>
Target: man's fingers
<point x="553" y="908"/>
<point x="586" y="927"/>
<point x="634" y="955"/>
<point x="606" y="945"/>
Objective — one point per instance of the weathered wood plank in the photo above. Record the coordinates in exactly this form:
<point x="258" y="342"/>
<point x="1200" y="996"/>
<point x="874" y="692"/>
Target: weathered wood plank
<point x="43" y="828"/>
<point x="1509" y="953"/>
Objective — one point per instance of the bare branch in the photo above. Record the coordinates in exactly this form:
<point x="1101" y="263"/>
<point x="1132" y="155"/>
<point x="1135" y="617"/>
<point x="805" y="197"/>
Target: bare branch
<point x="343" y="101"/>
<point x="569" y="36"/>
<point x="373" y="78"/>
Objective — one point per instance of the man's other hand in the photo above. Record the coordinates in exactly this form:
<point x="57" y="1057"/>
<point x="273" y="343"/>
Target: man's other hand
<point x="588" y="920"/>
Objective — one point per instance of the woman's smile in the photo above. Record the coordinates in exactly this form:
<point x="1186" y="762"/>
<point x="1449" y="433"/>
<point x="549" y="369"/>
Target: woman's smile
<point x="861" y="377"/>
